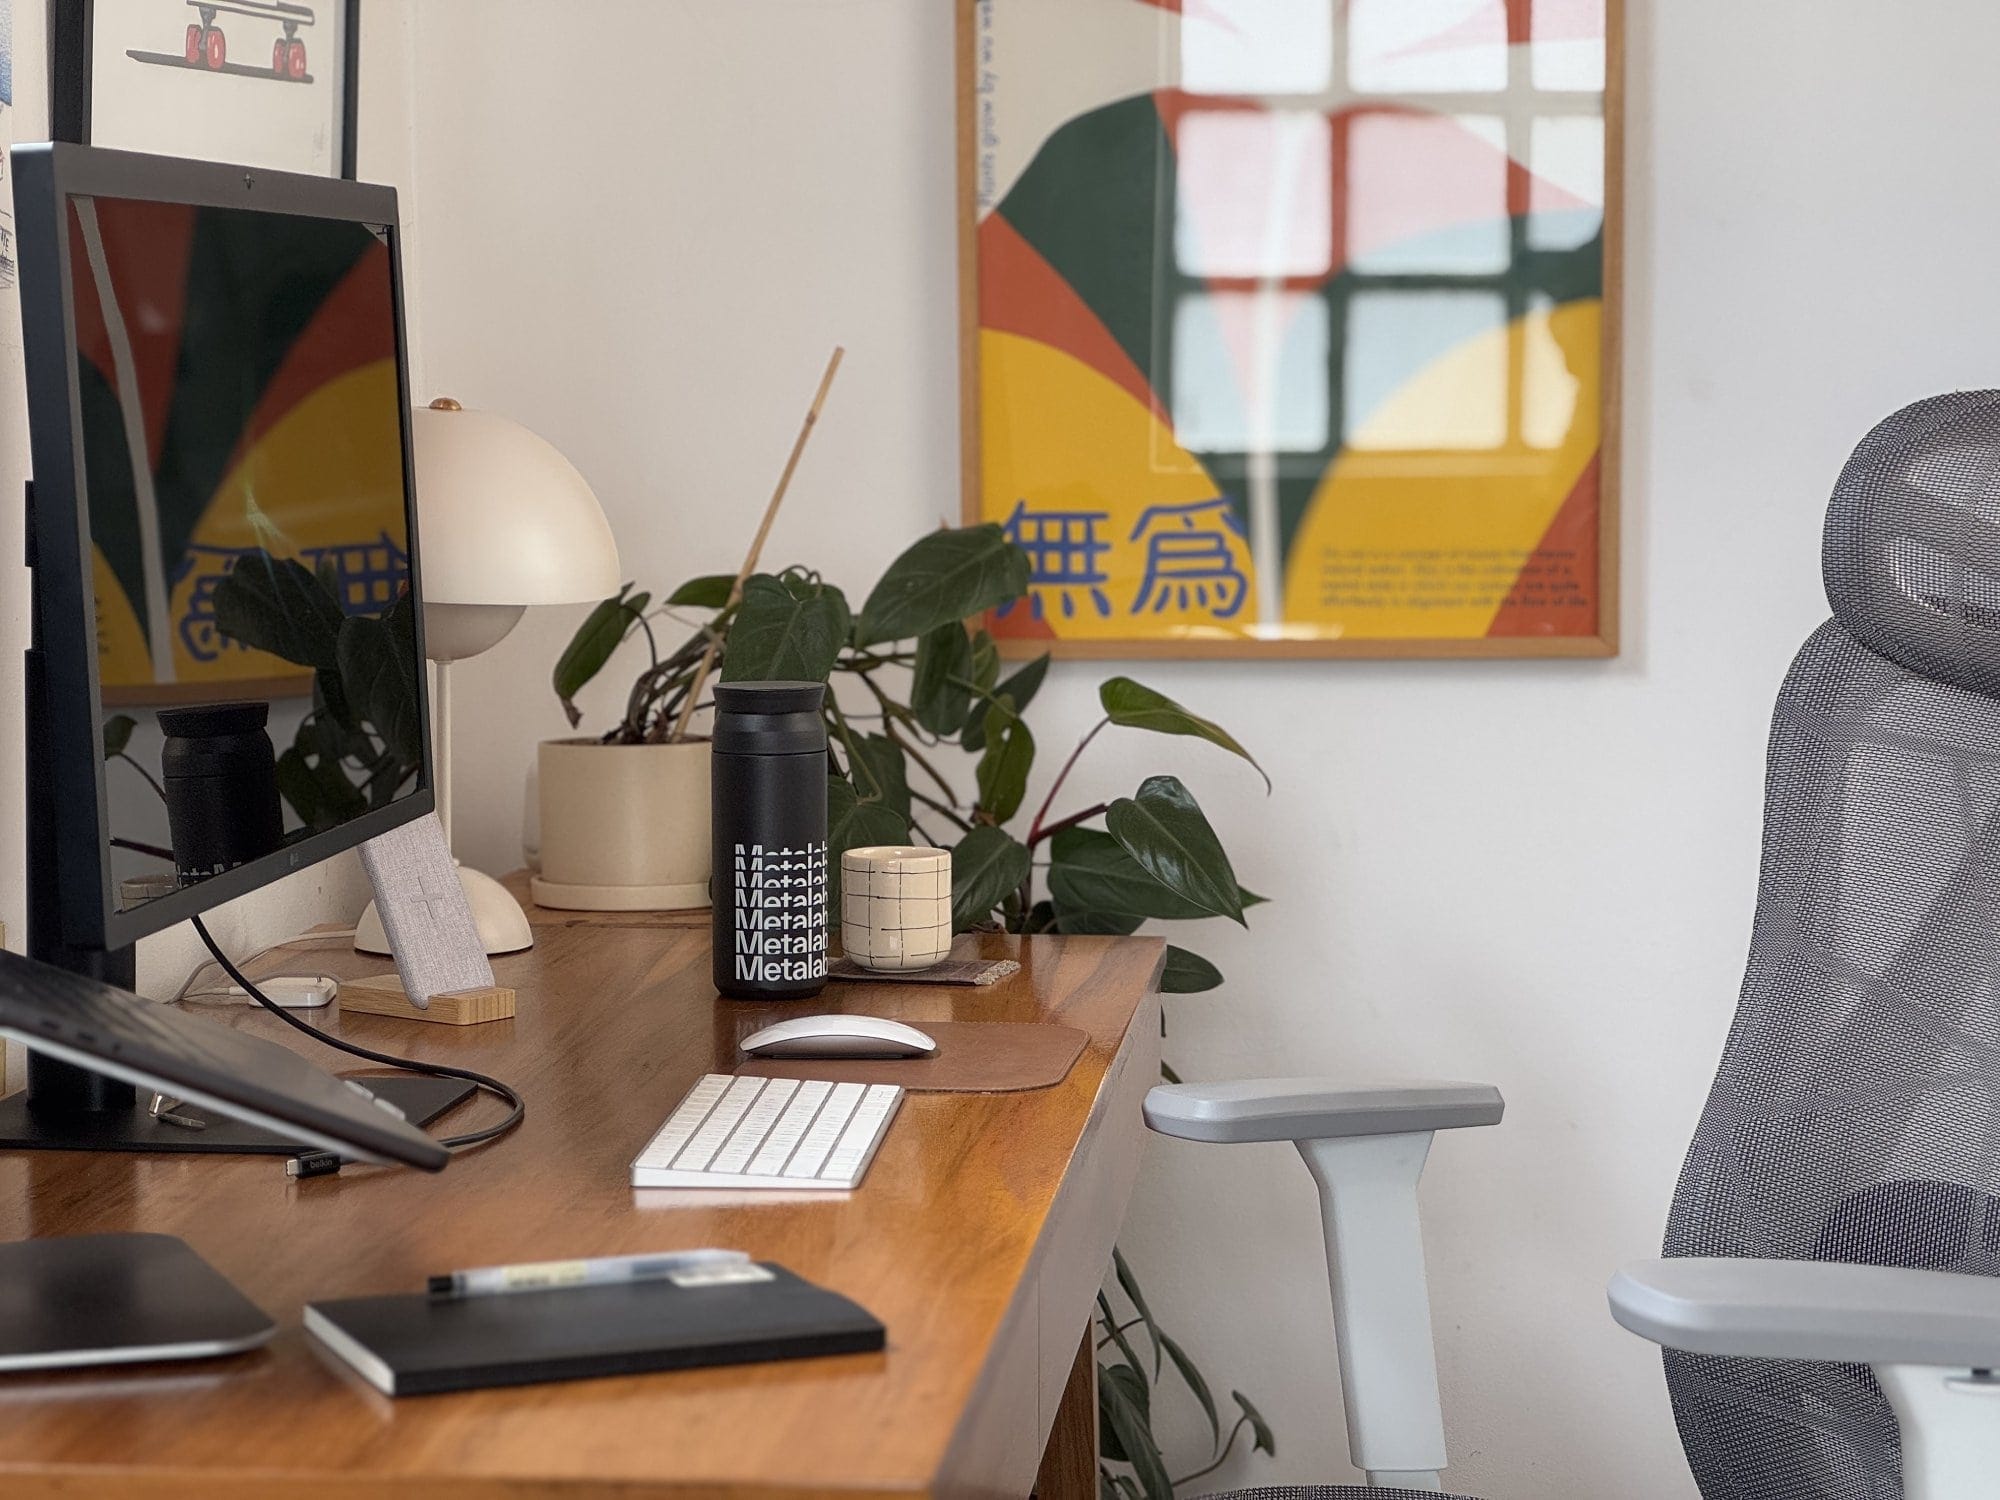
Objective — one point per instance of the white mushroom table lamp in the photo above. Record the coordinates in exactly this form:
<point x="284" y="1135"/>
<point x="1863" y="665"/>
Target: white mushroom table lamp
<point x="504" y="522"/>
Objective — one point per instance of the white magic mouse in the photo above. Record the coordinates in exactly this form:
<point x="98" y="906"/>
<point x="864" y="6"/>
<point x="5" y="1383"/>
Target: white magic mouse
<point x="839" y="1036"/>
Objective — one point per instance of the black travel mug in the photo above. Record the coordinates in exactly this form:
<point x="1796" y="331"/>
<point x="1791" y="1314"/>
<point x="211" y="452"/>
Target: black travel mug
<point x="220" y="777"/>
<point x="769" y="827"/>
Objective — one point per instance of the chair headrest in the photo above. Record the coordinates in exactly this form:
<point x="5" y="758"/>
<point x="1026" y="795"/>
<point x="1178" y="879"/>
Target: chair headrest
<point x="1912" y="549"/>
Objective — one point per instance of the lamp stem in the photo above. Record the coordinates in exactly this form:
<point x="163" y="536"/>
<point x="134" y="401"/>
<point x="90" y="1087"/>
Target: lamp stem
<point x="441" y="748"/>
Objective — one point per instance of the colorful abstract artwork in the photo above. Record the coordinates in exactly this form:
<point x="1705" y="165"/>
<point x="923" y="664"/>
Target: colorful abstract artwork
<point x="1291" y="324"/>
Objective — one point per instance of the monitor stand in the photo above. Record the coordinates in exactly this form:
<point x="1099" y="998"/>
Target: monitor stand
<point x="67" y="1108"/>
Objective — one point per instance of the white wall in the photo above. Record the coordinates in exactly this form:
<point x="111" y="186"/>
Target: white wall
<point x="1541" y="874"/>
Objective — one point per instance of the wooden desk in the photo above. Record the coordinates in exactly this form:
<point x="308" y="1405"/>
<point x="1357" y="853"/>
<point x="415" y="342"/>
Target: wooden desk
<point x="979" y="1238"/>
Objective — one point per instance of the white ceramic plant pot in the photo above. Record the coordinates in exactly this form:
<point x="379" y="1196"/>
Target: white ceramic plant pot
<point x="623" y="827"/>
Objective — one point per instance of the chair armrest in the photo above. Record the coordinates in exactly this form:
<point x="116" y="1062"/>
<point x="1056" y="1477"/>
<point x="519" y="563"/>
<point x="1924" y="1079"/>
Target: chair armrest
<point x="1312" y="1109"/>
<point x="1814" y="1310"/>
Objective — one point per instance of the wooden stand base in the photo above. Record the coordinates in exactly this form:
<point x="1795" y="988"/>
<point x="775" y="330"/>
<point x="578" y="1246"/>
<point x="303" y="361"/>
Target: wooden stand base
<point x="383" y="995"/>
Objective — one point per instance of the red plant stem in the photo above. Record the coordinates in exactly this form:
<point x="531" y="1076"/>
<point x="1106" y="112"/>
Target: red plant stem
<point x="1035" y="828"/>
<point x="1071" y="821"/>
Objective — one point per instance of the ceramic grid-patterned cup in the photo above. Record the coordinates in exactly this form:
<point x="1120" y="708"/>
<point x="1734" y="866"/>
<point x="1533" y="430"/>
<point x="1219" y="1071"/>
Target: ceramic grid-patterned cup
<point x="895" y="907"/>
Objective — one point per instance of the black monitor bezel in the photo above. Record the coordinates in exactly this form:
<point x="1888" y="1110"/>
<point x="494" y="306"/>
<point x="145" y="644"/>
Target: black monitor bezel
<point x="46" y="177"/>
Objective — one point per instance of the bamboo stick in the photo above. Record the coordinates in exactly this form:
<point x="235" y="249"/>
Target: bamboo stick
<point x="763" y="531"/>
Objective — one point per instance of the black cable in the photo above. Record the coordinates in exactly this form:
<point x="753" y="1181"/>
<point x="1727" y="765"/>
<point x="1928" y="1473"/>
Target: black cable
<point x="517" y="1111"/>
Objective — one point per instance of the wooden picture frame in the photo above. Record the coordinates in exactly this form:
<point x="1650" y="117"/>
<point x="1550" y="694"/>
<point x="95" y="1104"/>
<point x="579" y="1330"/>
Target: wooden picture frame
<point x="74" y="65"/>
<point x="1556" y="583"/>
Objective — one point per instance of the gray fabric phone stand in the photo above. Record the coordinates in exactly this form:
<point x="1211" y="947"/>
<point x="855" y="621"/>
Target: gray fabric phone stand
<point x="439" y="957"/>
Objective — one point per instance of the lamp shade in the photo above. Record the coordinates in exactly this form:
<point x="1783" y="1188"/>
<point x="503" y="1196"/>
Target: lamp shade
<point x="505" y="518"/>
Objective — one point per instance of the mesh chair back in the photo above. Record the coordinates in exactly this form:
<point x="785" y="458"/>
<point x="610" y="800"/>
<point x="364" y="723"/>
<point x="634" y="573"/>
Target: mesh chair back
<point x="1856" y="1113"/>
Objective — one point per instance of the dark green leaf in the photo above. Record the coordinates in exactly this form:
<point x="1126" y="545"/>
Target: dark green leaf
<point x="1164" y="830"/>
<point x="1120" y="1486"/>
<point x="1109" y="1318"/>
<point x="790" y="628"/>
<point x="118" y="734"/>
<point x="591" y="647"/>
<point x="378" y="673"/>
<point x="277" y="605"/>
<point x="985" y="662"/>
<point x="881" y="773"/>
<point x="1259" y="1428"/>
<point x="987" y="865"/>
<point x="1123" y="1404"/>
<point x="1138" y="707"/>
<point x="1021" y="685"/>
<point x="854" y="824"/>
<point x="945" y="576"/>
<point x="1195" y="1383"/>
<point x="1003" y="770"/>
<point x="1129" y="1284"/>
<point x="1187" y="973"/>
<point x="1085" y="921"/>
<point x="708" y="592"/>
<point x="1251" y="898"/>
<point x="939" y="696"/>
<point x="1167" y="1073"/>
<point x="1090" y="873"/>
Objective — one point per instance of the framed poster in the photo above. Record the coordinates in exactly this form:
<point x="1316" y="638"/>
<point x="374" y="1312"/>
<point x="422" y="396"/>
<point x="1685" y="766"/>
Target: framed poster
<point x="263" y="83"/>
<point x="1290" y="327"/>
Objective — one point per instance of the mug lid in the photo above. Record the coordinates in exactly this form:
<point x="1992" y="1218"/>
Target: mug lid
<point x="769" y="697"/>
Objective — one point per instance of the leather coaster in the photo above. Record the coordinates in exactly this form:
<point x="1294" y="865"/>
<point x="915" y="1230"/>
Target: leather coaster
<point x="973" y="1057"/>
<point x="974" y="971"/>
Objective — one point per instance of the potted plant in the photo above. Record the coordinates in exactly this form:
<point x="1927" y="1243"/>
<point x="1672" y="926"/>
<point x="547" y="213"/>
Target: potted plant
<point x="912" y="689"/>
<point x="624" y="814"/>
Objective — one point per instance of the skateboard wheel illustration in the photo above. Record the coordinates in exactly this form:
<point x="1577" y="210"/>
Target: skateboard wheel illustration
<point x="296" y="60"/>
<point x="278" y="57"/>
<point x="194" y="45"/>
<point x="218" y="49"/>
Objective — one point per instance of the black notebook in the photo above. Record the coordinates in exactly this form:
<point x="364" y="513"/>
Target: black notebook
<point x="413" y="1345"/>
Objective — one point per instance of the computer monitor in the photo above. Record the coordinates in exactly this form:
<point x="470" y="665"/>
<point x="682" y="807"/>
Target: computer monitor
<point x="227" y="678"/>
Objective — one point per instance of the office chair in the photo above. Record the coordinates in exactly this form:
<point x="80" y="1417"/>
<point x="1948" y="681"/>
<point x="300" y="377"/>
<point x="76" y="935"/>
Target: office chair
<point x="1830" y="1304"/>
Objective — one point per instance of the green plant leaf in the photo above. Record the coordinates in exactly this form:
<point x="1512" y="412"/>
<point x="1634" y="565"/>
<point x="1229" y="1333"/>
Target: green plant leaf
<point x="943" y="577"/>
<point x="378" y="674"/>
<point x="987" y="865"/>
<point x="1123" y="1403"/>
<point x="790" y="628"/>
<point x="277" y="605"/>
<point x="854" y="824"/>
<point x="1109" y="1318"/>
<point x="1020" y="685"/>
<point x="1002" y="773"/>
<point x="1085" y="921"/>
<point x="1192" y="1377"/>
<point x="118" y="734"/>
<point x="1187" y="973"/>
<point x="1138" y="707"/>
<point x="883" y="774"/>
<point x="711" y="591"/>
<point x="1259" y="1428"/>
<point x="985" y="662"/>
<point x="1129" y="1285"/>
<point x="939" y="696"/>
<point x="1164" y="830"/>
<point x="590" y="648"/>
<point x="1090" y="873"/>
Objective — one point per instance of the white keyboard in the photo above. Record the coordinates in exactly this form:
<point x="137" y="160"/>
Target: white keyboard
<point x="769" y="1133"/>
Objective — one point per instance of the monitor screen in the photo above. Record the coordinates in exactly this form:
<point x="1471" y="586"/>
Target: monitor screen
<point x="240" y="418"/>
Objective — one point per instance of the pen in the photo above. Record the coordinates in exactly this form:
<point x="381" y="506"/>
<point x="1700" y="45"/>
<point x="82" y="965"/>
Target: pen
<point x="548" y="1275"/>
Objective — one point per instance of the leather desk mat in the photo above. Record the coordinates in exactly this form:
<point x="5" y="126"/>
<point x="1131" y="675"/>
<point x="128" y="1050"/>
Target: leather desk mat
<point x="973" y="1057"/>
